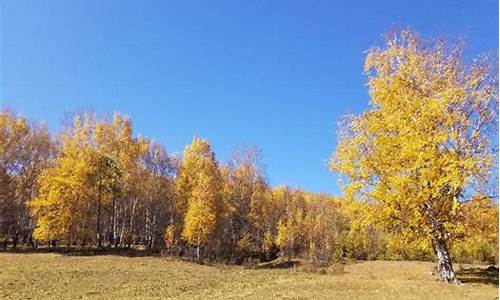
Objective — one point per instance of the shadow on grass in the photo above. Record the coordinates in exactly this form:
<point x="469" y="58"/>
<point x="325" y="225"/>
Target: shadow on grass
<point x="487" y="275"/>
<point x="110" y="251"/>
<point x="128" y="252"/>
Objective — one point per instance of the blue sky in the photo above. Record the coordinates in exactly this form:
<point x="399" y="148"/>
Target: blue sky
<point x="275" y="74"/>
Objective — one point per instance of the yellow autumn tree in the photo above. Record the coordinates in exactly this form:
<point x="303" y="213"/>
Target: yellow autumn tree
<point x="244" y="196"/>
<point x="200" y="182"/>
<point x="113" y="138"/>
<point x="62" y="207"/>
<point x="79" y="188"/>
<point x="480" y="240"/>
<point x="327" y="225"/>
<point x="292" y="228"/>
<point x="424" y="139"/>
<point x="157" y="191"/>
<point x="25" y="151"/>
<point x="261" y="228"/>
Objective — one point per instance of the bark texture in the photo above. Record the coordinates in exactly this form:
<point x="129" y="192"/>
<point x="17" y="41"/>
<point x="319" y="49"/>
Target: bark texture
<point x="444" y="266"/>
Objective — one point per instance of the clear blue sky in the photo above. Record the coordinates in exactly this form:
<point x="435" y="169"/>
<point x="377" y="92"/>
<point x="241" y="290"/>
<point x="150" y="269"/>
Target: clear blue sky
<point x="276" y="74"/>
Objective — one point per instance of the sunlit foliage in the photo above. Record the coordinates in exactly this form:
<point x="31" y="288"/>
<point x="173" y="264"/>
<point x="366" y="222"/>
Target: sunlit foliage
<point x="424" y="141"/>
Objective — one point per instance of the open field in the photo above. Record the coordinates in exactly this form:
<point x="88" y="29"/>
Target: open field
<point x="56" y="276"/>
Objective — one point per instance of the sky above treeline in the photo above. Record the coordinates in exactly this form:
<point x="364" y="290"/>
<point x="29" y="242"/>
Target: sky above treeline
<point x="275" y="74"/>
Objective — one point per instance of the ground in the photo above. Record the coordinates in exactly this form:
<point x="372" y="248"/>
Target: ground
<point x="59" y="276"/>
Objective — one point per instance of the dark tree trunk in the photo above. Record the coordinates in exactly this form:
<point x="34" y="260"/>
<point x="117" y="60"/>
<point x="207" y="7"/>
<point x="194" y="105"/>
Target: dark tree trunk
<point x="444" y="266"/>
<point x="15" y="240"/>
<point x="6" y="238"/>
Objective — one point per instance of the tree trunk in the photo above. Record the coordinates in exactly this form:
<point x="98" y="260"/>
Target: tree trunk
<point x="444" y="265"/>
<point x="198" y="251"/>
<point x="15" y="240"/>
<point x="99" y="243"/>
<point x="114" y="222"/>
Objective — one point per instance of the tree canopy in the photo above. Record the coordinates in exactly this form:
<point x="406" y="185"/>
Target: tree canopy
<point x="424" y="142"/>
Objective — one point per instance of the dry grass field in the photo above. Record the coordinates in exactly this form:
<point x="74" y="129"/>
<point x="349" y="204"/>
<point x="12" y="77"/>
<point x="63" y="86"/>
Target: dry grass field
<point x="57" y="276"/>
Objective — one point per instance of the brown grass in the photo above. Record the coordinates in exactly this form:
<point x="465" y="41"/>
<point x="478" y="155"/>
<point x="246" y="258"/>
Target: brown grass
<point x="57" y="276"/>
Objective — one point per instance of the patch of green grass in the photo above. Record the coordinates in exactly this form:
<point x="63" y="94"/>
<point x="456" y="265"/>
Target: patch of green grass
<point x="56" y="276"/>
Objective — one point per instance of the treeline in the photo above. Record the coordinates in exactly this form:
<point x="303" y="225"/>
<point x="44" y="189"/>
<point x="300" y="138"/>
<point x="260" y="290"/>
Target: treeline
<point x="97" y="184"/>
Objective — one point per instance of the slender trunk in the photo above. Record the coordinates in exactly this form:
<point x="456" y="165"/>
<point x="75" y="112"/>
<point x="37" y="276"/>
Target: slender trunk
<point x="122" y="232"/>
<point x="6" y="238"/>
<point x="15" y="240"/>
<point x="132" y="222"/>
<point x="146" y="230"/>
<point x="198" y="251"/>
<point x="153" y="232"/>
<point x="444" y="265"/>
<point x="99" y="243"/>
<point x="114" y="224"/>
<point x="152" y="243"/>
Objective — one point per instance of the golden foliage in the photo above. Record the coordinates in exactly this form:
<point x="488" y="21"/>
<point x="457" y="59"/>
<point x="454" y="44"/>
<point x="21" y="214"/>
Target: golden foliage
<point x="199" y="181"/>
<point x="424" y="139"/>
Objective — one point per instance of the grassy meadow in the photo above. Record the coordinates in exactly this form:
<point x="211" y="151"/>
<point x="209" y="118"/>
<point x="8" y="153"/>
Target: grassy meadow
<point x="59" y="276"/>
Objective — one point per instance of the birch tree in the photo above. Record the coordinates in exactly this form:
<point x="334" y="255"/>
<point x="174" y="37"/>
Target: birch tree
<point x="425" y="139"/>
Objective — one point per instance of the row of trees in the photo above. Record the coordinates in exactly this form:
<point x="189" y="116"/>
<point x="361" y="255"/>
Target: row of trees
<point x="96" y="184"/>
<point x="415" y="167"/>
<point x="93" y="183"/>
